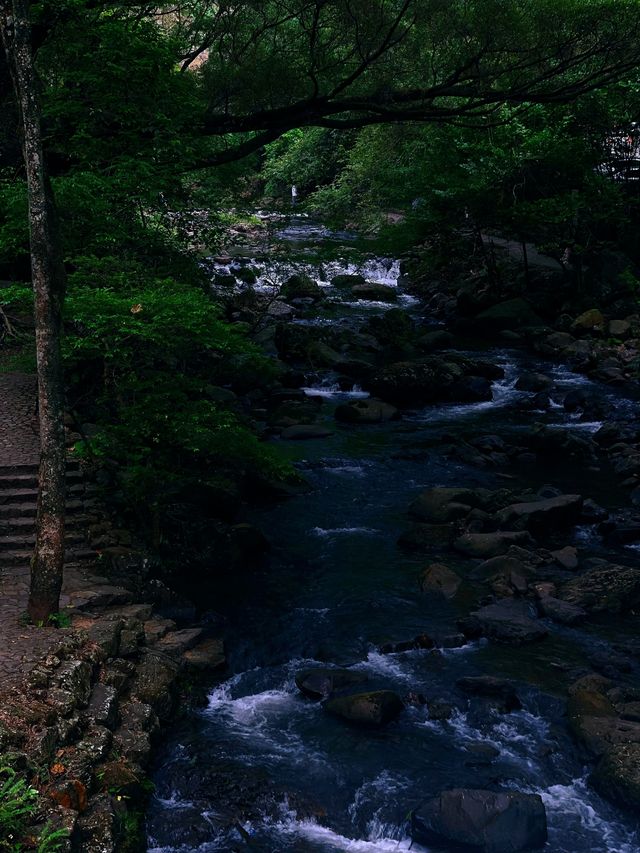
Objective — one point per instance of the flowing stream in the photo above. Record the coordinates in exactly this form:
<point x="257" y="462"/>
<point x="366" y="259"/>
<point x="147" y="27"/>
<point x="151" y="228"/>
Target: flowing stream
<point x="337" y="587"/>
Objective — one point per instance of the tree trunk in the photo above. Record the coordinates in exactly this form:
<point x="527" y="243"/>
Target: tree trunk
<point x="48" y="287"/>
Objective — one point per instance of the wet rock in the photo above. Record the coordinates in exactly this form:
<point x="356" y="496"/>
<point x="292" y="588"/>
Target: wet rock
<point x="566" y="557"/>
<point x="322" y="682"/>
<point x="482" y="754"/>
<point x="485" y="545"/>
<point x="103" y="705"/>
<point x="512" y="314"/>
<point x="444" y="504"/>
<point x="439" y="710"/>
<point x="99" y="828"/>
<point x="605" y="588"/>
<point x="376" y="708"/>
<point x="534" y="382"/>
<point x="154" y="682"/>
<point x="488" y="821"/>
<point x="395" y="328"/>
<point x="370" y="411"/>
<point x="470" y="389"/>
<point x="422" y="641"/>
<point x="440" y="579"/>
<point x="408" y="383"/>
<point x="509" y="621"/>
<point x="438" y="339"/>
<point x="619" y="328"/>
<point x="617" y="775"/>
<point x="375" y="292"/>
<point x="348" y="280"/>
<point x="206" y="656"/>
<point x="301" y="287"/>
<point x="561" y="611"/>
<point x="544" y="515"/>
<point x="499" y="691"/>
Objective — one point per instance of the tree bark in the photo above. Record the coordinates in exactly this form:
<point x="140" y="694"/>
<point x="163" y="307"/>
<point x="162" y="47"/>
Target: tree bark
<point x="48" y="286"/>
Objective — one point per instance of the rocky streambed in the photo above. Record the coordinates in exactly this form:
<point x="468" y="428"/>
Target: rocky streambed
<point x="442" y="646"/>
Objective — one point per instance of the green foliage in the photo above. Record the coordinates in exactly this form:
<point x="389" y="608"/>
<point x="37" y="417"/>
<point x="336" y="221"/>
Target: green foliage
<point x="18" y="813"/>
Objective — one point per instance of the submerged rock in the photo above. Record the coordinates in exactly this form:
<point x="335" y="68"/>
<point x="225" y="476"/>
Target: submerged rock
<point x="303" y="432"/>
<point x="370" y="411"/>
<point x="498" y="690"/>
<point x="509" y="621"/>
<point x="487" y="821"/>
<point x="322" y="682"/>
<point x="376" y="708"/>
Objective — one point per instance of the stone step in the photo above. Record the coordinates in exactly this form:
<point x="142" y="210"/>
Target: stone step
<point x="18" y="496"/>
<point x="18" y="541"/>
<point x="30" y="480"/>
<point x="23" y="557"/>
<point x="27" y="523"/>
<point x="26" y="509"/>
<point x="32" y="467"/>
<point x="176" y="643"/>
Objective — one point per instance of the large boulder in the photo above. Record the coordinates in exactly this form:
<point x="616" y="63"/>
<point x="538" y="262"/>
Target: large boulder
<point x="321" y="682"/>
<point x="487" y="821"/>
<point x="408" y="383"/>
<point x="301" y="287"/>
<point x="617" y="775"/>
<point x="512" y="314"/>
<point x="347" y="280"/>
<point x="534" y="382"/>
<point x="375" y="292"/>
<point x="509" y="621"/>
<point x="593" y="719"/>
<point x="605" y="588"/>
<point x="485" y="545"/>
<point x="440" y="579"/>
<point x="375" y="708"/>
<point x="444" y="504"/>
<point x="369" y="411"/>
<point x="544" y="515"/>
<point x="592" y="320"/>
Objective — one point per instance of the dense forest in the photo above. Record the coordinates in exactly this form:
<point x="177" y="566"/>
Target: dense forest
<point x="246" y="247"/>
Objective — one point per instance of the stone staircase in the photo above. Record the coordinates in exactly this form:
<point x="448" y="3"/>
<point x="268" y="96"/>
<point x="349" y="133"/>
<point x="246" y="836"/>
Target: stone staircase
<point x="18" y="505"/>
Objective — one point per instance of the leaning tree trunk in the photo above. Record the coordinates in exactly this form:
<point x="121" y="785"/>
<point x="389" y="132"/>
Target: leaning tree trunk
<point x="48" y="287"/>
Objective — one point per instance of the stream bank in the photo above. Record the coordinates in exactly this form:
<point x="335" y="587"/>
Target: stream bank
<point x="412" y="562"/>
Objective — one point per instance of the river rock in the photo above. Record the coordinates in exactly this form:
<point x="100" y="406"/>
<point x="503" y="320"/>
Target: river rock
<point x="444" y="504"/>
<point x="606" y="588"/>
<point x="375" y="292"/>
<point x="544" y="515"/>
<point x="322" y="682"/>
<point x="589" y="321"/>
<point x="422" y="536"/>
<point x="440" y="579"/>
<point x="301" y="287"/>
<point x="567" y="557"/>
<point x="617" y="775"/>
<point x="470" y="389"/>
<point x="438" y="339"/>
<point x="348" y="280"/>
<point x="394" y="328"/>
<point x="561" y="611"/>
<point x="513" y="314"/>
<point x="593" y="719"/>
<point x="509" y="621"/>
<point x="408" y="383"/>
<point x="485" y="545"/>
<point x="487" y="821"/>
<point x="376" y="708"/>
<point x="499" y="690"/>
<point x="369" y="411"/>
<point x="534" y="382"/>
